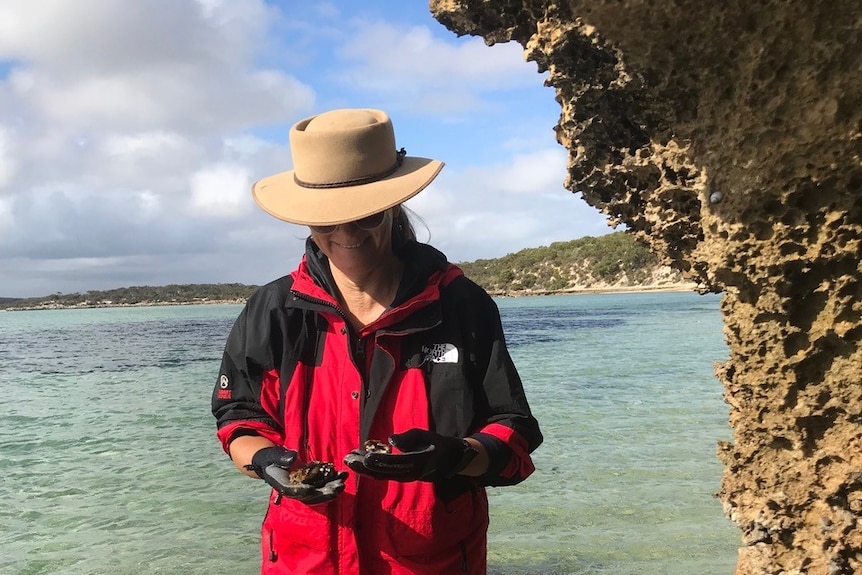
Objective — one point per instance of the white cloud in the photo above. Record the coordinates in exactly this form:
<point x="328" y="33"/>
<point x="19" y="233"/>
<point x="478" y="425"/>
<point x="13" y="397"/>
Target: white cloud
<point x="243" y="146"/>
<point x="175" y="97"/>
<point x="491" y="210"/>
<point x="21" y="82"/>
<point x="540" y="171"/>
<point x="388" y="57"/>
<point x="6" y="220"/>
<point x="101" y="35"/>
<point x="426" y="72"/>
<point x="149" y="204"/>
<point x="221" y="191"/>
<point x="7" y="161"/>
<point x="162" y="64"/>
<point x="151" y="143"/>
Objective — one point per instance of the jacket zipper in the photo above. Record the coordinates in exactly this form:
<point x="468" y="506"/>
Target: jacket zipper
<point x="359" y="347"/>
<point x="273" y="556"/>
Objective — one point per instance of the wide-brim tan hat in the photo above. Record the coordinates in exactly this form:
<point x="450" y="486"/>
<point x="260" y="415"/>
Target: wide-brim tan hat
<point x="345" y="167"/>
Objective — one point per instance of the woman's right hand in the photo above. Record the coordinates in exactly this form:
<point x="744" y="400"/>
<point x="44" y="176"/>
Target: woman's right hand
<point x="272" y="464"/>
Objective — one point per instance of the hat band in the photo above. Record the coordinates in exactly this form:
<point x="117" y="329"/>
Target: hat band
<point x="399" y="159"/>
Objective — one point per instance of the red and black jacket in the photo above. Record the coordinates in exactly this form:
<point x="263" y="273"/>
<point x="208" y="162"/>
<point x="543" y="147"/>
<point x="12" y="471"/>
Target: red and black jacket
<point x="294" y="371"/>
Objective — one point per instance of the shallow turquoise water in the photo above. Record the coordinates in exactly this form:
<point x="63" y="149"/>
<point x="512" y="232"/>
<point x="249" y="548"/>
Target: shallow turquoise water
<point x="109" y="462"/>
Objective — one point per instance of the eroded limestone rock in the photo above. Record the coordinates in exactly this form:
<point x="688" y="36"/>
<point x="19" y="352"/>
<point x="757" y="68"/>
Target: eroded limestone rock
<point x="728" y="135"/>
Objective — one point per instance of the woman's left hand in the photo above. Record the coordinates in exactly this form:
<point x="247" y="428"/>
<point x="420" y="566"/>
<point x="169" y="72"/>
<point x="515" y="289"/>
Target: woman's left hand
<point x="425" y="456"/>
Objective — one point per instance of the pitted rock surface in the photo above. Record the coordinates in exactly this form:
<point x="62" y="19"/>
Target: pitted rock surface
<point x="728" y="136"/>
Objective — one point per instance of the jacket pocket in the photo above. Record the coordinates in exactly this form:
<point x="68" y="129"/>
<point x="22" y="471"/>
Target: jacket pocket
<point x="291" y="526"/>
<point x="428" y="532"/>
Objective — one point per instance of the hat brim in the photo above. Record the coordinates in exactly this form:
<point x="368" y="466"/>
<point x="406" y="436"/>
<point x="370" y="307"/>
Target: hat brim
<point x="281" y="197"/>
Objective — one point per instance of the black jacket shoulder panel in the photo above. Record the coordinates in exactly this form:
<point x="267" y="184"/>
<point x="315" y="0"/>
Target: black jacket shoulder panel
<point x="497" y="384"/>
<point x="274" y="294"/>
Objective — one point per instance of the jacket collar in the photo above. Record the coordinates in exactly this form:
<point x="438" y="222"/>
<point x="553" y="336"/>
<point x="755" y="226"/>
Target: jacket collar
<point x="422" y="263"/>
<point x="425" y="270"/>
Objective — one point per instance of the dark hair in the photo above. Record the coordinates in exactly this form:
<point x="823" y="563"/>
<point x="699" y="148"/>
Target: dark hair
<point x="402" y="228"/>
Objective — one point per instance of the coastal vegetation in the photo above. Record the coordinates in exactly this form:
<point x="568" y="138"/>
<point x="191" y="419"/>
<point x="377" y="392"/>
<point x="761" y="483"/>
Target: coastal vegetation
<point x="611" y="262"/>
<point x="137" y="295"/>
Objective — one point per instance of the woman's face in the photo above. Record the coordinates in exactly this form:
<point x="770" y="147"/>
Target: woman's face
<point x="356" y="248"/>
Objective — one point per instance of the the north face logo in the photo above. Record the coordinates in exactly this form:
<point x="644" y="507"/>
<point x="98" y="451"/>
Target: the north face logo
<point x="440" y="353"/>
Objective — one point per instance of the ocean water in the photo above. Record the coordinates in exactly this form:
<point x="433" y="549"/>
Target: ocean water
<point x="109" y="463"/>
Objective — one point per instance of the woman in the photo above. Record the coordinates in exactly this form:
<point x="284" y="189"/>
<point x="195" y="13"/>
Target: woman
<point x="373" y="337"/>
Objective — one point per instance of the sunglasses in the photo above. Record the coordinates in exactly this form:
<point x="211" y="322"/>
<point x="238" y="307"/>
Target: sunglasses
<point x="367" y="223"/>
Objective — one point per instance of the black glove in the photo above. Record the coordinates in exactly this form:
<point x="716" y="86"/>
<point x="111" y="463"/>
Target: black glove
<point x="272" y="464"/>
<point x="425" y="456"/>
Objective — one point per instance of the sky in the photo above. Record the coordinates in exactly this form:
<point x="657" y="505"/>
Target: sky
<point x="132" y="131"/>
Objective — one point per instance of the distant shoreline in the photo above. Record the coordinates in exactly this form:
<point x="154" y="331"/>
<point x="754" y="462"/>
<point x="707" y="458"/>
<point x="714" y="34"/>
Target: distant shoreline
<point x="49" y="306"/>
<point x="677" y="287"/>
